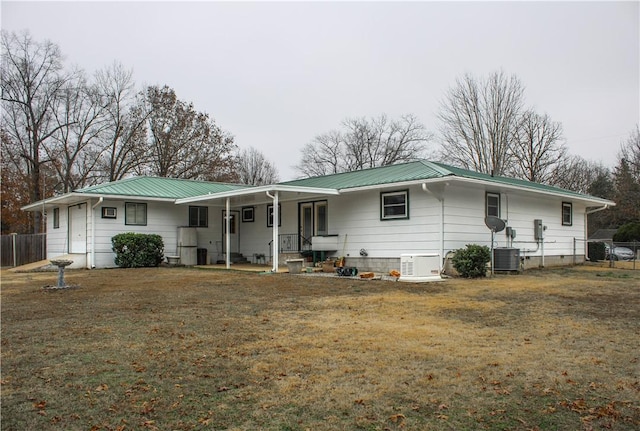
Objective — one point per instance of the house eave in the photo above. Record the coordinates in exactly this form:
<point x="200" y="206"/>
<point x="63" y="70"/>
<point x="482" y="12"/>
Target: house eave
<point x="74" y="198"/>
<point x="259" y="190"/>
<point x="587" y="200"/>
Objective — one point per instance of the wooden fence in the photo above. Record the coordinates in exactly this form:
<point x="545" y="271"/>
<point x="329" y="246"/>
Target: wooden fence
<point x="22" y="249"/>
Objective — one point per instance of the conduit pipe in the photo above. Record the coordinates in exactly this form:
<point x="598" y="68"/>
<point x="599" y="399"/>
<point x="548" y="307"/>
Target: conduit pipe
<point x="92" y="264"/>
<point x="274" y="225"/>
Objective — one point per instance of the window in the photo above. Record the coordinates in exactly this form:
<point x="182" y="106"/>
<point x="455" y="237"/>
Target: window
<point x="109" y="212"/>
<point x="135" y="214"/>
<point x="248" y="214"/>
<point x="567" y="214"/>
<point x="270" y="216"/>
<point x="56" y="218"/>
<point x="493" y="204"/>
<point x="394" y="205"/>
<point x="322" y="218"/>
<point x="198" y="216"/>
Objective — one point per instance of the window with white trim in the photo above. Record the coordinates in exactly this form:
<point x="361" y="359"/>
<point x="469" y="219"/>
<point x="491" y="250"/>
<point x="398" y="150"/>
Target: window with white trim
<point x="567" y="213"/>
<point x="493" y="204"/>
<point x="394" y="205"/>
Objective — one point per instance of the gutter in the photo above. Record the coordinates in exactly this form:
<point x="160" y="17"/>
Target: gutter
<point x="585" y="249"/>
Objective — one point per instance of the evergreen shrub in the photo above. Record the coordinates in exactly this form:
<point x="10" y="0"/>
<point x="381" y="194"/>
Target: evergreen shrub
<point x="471" y="262"/>
<point x="136" y="250"/>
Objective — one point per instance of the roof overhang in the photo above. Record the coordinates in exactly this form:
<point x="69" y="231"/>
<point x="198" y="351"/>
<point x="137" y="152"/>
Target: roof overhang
<point x="260" y="192"/>
<point x="568" y="196"/>
<point x="589" y="201"/>
<point x="75" y="198"/>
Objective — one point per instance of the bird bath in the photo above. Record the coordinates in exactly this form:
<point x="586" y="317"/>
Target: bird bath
<point x="61" y="263"/>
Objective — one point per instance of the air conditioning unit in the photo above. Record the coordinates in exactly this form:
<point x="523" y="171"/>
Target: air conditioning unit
<point x="419" y="267"/>
<point x="506" y="259"/>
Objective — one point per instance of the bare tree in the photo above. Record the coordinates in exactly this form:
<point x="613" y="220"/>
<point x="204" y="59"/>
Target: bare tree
<point x="184" y="143"/>
<point x="32" y="79"/>
<point x="537" y="150"/>
<point x="125" y="134"/>
<point x="577" y="174"/>
<point x="75" y="148"/>
<point x="323" y="156"/>
<point x="478" y="120"/>
<point x="253" y="168"/>
<point x="630" y="152"/>
<point x="365" y="143"/>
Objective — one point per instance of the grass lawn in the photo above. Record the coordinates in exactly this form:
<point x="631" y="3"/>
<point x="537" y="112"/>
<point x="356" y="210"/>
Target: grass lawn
<point x="190" y="349"/>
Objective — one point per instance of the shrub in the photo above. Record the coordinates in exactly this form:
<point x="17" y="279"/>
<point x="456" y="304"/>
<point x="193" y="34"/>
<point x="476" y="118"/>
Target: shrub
<point x="596" y="251"/>
<point x="135" y="250"/>
<point x="472" y="261"/>
<point x="628" y="232"/>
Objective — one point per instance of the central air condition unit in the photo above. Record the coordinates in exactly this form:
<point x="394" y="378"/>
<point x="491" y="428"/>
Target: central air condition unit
<point x="506" y="259"/>
<point x="420" y="267"/>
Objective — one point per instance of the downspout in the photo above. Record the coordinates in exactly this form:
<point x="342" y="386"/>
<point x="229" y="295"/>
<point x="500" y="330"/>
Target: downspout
<point x="586" y="220"/>
<point x="440" y="198"/>
<point x="227" y="235"/>
<point x="93" y="233"/>
<point x="274" y="241"/>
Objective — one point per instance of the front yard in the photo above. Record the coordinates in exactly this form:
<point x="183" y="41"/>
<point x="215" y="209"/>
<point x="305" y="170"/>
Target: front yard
<point x="183" y="349"/>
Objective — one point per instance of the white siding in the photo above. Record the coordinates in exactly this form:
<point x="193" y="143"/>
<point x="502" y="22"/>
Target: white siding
<point x="355" y="218"/>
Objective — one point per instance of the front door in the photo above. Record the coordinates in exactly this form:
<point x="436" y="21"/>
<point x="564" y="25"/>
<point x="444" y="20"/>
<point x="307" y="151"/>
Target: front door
<point x="78" y="228"/>
<point x="234" y="237"/>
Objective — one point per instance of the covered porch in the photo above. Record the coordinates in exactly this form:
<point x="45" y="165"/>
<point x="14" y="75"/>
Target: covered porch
<point x="265" y="224"/>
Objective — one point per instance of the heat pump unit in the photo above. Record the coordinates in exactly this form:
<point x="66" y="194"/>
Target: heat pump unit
<point x="420" y="267"/>
<point x="506" y="259"/>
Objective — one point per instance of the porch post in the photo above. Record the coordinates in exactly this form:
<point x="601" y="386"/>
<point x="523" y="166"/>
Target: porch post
<point x="274" y="244"/>
<point x="227" y="235"/>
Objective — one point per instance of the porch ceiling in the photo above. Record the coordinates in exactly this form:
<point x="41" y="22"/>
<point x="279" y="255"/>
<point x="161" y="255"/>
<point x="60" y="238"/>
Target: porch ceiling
<point x="259" y="195"/>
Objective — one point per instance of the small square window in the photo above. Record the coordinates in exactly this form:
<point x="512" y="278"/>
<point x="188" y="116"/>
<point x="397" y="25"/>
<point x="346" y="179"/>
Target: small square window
<point x="394" y="205"/>
<point x="56" y="218"/>
<point x="493" y="204"/>
<point x="135" y="213"/>
<point x="198" y="216"/>
<point x="248" y="214"/>
<point x="109" y="212"/>
<point x="567" y="214"/>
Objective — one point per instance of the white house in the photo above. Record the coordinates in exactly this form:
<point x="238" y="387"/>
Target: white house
<point x="371" y="217"/>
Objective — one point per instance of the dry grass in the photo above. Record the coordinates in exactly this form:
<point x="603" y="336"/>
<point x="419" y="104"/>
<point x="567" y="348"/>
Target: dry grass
<point x="182" y="349"/>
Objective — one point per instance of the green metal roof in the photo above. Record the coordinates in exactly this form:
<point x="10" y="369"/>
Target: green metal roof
<point x="157" y="187"/>
<point x="418" y="171"/>
<point x="412" y="171"/>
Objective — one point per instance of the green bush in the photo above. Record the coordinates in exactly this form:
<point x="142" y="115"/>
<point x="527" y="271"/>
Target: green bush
<point x="596" y="251"/>
<point x="472" y="261"/>
<point x="628" y="232"/>
<point x="135" y="250"/>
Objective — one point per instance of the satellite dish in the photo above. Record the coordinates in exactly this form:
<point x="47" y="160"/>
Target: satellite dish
<point x="494" y="223"/>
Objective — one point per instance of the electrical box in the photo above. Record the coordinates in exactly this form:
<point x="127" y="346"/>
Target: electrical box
<point x="538" y="230"/>
<point x="511" y="232"/>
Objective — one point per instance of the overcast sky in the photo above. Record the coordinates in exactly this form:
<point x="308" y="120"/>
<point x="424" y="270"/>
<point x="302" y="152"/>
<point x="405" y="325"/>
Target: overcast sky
<point x="275" y="75"/>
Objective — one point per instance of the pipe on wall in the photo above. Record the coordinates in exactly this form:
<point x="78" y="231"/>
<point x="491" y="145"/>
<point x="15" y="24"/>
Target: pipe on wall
<point x="274" y="225"/>
<point x="92" y="264"/>
<point x="440" y="197"/>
